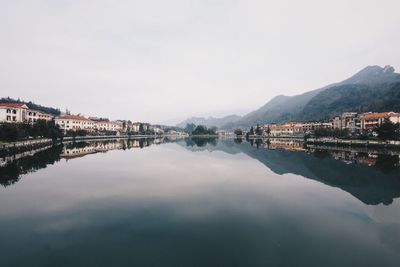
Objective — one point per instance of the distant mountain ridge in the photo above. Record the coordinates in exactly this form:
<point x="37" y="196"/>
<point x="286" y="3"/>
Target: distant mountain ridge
<point x="210" y="121"/>
<point x="374" y="88"/>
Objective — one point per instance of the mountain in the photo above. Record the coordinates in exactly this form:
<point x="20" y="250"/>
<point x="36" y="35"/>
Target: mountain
<point x="312" y="105"/>
<point x="352" y="97"/>
<point x="210" y="121"/>
<point x="374" y="88"/>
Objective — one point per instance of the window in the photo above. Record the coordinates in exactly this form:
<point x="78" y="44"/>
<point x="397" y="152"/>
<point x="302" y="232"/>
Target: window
<point x="8" y="110"/>
<point x="14" y="118"/>
<point x="8" y="118"/>
<point x="14" y="111"/>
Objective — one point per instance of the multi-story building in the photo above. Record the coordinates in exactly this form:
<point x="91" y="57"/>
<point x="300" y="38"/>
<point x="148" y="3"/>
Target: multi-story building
<point x="104" y="124"/>
<point x="286" y="129"/>
<point x="19" y="113"/>
<point x="369" y="121"/>
<point x="34" y="115"/>
<point x="74" y="122"/>
<point x="312" y="126"/>
<point x="348" y="120"/>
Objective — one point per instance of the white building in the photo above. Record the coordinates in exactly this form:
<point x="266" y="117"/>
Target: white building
<point x="74" y="122"/>
<point x="19" y="112"/>
<point x="108" y="126"/>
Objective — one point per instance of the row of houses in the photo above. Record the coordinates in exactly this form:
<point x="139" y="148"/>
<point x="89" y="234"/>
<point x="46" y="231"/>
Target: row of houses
<point x="21" y="113"/>
<point x="351" y="121"/>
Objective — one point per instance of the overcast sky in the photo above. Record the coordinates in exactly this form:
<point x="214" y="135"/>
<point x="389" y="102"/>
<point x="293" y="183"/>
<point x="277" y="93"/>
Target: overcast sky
<point x="163" y="61"/>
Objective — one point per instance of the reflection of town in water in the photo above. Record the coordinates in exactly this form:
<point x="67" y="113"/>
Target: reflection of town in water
<point x="76" y="150"/>
<point x="371" y="175"/>
<point x="13" y="166"/>
<point x="347" y="154"/>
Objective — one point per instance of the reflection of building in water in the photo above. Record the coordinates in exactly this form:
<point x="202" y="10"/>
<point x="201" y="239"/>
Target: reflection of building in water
<point x="86" y="148"/>
<point x="369" y="158"/>
<point x="6" y="160"/>
<point x="285" y="144"/>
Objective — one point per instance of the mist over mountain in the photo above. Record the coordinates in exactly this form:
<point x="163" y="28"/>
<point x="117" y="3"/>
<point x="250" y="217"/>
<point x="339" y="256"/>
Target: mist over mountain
<point x="211" y="121"/>
<point x="374" y="88"/>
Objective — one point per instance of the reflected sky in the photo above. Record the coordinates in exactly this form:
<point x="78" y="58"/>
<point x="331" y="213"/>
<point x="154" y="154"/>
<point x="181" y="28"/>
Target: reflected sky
<point x="178" y="204"/>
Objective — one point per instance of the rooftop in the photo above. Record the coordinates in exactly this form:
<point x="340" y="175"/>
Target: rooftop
<point x="14" y="105"/>
<point x="72" y="117"/>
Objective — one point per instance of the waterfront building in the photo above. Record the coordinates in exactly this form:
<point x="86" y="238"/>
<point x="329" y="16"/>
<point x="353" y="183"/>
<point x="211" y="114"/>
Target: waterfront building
<point x="286" y="129"/>
<point x="104" y="124"/>
<point x="348" y="120"/>
<point x="74" y="123"/>
<point x="21" y="113"/>
<point x="309" y="127"/>
<point x="370" y="121"/>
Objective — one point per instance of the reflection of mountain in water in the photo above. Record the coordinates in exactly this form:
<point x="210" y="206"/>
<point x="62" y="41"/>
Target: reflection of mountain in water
<point x="371" y="185"/>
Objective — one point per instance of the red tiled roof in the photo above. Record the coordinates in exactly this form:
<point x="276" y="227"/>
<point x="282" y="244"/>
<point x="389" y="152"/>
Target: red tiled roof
<point x="13" y="105"/>
<point x="373" y="116"/>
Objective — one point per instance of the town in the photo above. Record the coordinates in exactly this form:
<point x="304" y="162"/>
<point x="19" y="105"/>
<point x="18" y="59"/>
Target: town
<point x="348" y="125"/>
<point x="76" y="125"/>
<point x="384" y="125"/>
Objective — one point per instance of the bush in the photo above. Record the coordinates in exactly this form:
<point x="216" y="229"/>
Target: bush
<point x="11" y="132"/>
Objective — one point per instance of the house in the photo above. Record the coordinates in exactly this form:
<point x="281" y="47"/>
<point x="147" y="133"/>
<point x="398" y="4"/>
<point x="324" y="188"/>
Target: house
<point x="20" y="113"/>
<point x="312" y="126"/>
<point x="74" y="123"/>
<point x="104" y="124"/>
<point x="370" y="121"/>
<point x="286" y="129"/>
<point x="348" y="120"/>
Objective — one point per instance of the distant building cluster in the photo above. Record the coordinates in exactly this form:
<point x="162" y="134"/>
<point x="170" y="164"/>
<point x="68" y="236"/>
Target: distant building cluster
<point x="351" y="121"/>
<point x="21" y="113"/>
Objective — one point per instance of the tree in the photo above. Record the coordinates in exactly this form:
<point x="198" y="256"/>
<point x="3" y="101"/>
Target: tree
<point x="258" y="130"/>
<point x="190" y="127"/>
<point x="141" y="128"/>
<point x="203" y="130"/>
<point x="388" y="130"/>
<point x="251" y="131"/>
<point x="238" y="132"/>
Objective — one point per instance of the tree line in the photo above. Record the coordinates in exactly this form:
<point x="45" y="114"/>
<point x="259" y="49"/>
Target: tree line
<point x="11" y="132"/>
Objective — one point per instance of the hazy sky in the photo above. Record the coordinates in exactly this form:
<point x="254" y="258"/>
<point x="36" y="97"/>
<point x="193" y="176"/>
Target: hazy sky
<point x="163" y="61"/>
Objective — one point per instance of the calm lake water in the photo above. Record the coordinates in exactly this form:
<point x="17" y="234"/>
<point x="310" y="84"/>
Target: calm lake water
<point x="200" y="203"/>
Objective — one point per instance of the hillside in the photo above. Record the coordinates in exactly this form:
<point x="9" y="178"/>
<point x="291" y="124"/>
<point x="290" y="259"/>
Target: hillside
<point x="31" y="105"/>
<point x="352" y="97"/>
<point x="311" y="105"/>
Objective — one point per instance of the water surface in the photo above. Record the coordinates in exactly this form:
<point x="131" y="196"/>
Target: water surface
<point x="200" y="203"/>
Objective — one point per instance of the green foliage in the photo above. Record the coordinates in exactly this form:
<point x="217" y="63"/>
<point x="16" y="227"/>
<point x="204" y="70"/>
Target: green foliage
<point x="331" y="133"/>
<point x="31" y="105"/>
<point x="259" y="130"/>
<point x="11" y="132"/>
<point x="251" y="132"/>
<point x="190" y="127"/>
<point x="74" y="133"/>
<point x="388" y="131"/>
<point x="203" y="130"/>
<point x="238" y="132"/>
<point x="141" y="128"/>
